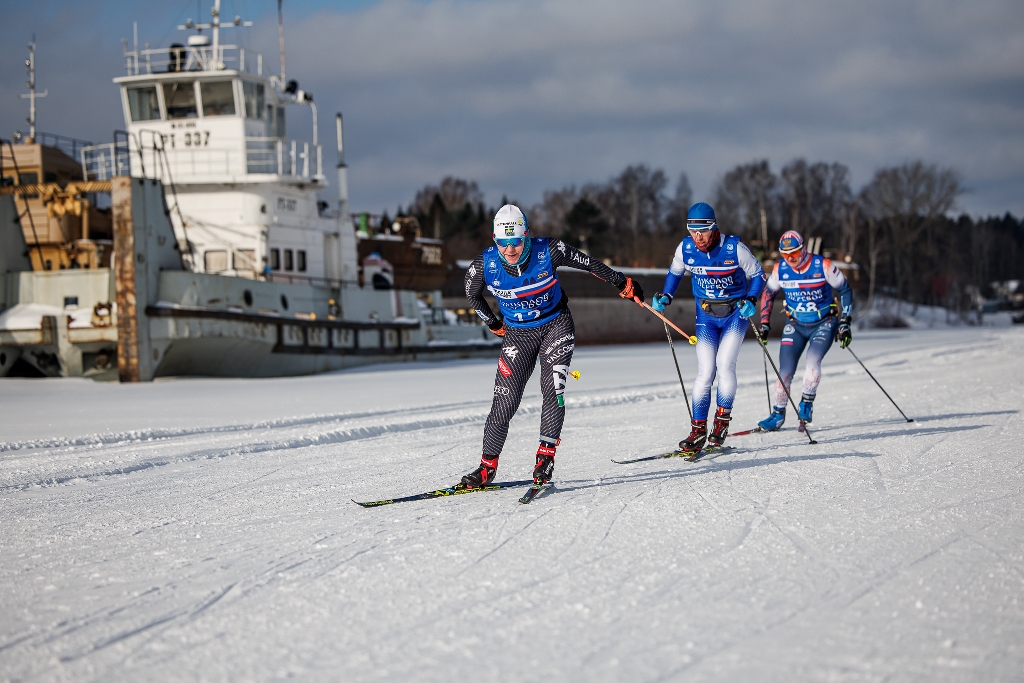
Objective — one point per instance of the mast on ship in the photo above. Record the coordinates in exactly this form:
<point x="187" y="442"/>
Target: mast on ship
<point x="31" y="96"/>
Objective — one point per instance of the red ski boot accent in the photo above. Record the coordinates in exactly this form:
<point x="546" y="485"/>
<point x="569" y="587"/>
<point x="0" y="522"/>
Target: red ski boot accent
<point x="482" y="475"/>
<point x="695" y="441"/>
<point x="720" y="430"/>
<point x="545" y="466"/>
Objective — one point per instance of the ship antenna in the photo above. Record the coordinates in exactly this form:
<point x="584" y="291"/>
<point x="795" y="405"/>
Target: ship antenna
<point x="280" y="36"/>
<point x="30" y="64"/>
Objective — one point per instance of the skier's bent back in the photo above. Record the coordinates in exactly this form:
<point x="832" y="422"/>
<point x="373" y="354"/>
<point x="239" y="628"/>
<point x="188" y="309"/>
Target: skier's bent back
<point x="521" y="273"/>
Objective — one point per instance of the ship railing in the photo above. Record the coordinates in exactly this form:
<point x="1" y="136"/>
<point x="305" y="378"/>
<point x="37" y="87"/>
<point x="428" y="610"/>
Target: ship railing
<point x="192" y="58"/>
<point x="103" y="162"/>
<point x="155" y="159"/>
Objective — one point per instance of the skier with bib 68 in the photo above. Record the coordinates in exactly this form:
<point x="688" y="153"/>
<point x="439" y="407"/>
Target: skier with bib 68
<point x="521" y="273"/>
<point x="807" y="282"/>
<point x="727" y="280"/>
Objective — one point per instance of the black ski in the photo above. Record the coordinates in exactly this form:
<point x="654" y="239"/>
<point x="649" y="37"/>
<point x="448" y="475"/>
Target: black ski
<point x="692" y="457"/>
<point x="533" y="492"/>
<point x="444" y="493"/>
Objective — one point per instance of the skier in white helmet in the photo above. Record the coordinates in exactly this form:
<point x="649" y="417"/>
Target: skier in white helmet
<point x="535" y="322"/>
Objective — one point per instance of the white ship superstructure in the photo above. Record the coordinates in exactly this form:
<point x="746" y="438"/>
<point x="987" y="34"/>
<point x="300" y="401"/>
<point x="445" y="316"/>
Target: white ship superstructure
<point x="223" y="258"/>
<point x="208" y="121"/>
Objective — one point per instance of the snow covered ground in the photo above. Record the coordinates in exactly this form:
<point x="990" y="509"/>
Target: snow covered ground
<point x="203" y="530"/>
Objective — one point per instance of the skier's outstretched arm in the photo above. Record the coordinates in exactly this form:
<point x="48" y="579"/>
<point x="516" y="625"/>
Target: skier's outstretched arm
<point x="563" y="254"/>
<point x="475" y="294"/>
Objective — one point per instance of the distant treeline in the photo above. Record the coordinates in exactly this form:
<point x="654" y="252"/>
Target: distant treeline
<point x="900" y="228"/>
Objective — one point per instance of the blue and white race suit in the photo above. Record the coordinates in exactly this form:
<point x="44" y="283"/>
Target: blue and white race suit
<point x="720" y="278"/>
<point x="809" y="297"/>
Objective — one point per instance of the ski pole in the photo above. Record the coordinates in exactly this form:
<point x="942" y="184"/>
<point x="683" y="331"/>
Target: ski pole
<point x="672" y="346"/>
<point x="879" y="385"/>
<point x="764" y="347"/>
<point x="692" y="340"/>
<point x="766" y="389"/>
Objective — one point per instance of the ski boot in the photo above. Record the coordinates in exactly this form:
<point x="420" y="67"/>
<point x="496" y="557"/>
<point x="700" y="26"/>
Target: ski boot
<point x="720" y="430"/>
<point x="545" y="466"/>
<point x="773" y="421"/>
<point x="692" y="444"/>
<point x="481" y="476"/>
<point x="806" y="408"/>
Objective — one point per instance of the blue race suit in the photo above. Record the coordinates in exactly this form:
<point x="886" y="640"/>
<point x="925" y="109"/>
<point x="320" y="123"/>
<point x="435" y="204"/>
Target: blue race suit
<point x="720" y="277"/>
<point x="809" y="293"/>
<point x="529" y="299"/>
<point x="540" y="326"/>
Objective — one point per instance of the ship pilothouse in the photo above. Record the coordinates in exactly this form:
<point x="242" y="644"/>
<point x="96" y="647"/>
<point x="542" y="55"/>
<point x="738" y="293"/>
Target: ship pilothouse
<point x="216" y="256"/>
<point x="208" y="121"/>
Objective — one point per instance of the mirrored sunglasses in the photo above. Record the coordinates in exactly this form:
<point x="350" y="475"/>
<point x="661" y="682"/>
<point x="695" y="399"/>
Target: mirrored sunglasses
<point x="701" y="225"/>
<point x="510" y="242"/>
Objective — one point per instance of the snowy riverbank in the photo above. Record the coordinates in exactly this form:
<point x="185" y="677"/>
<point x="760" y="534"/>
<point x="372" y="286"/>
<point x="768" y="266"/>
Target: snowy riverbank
<point x="202" y="529"/>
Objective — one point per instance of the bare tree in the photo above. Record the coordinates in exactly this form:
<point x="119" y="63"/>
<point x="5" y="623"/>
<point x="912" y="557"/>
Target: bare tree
<point x="909" y="203"/>
<point x="814" y="198"/>
<point x="746" y="202"/>
<point x="675" y="219"/>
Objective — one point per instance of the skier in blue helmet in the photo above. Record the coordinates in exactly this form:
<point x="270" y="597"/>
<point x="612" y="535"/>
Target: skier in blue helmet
<point x="520" y="271"/>
<point x="727" y="280"/>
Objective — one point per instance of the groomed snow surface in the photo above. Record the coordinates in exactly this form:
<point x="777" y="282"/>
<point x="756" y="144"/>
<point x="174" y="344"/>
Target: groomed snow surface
<point x="202" y="529"/>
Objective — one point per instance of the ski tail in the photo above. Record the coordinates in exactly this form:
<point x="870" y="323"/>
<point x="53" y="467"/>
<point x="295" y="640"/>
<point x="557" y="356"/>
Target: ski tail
<point x="443" y="493"/>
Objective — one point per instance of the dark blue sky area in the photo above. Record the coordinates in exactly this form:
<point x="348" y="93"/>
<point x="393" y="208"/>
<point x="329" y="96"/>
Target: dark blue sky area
<point x="535" y="95"/>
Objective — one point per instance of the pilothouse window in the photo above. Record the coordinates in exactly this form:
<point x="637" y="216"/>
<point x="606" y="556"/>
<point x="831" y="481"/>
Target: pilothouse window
<point x="254" y="100"/>
<point x="218" y="98"/>
<point x="143" y="103"/>
<point x="180" y="99"/>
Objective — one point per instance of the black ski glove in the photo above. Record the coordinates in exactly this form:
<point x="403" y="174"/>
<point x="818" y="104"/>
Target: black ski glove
<point x="630" y="288"/>
<point x="843" y="334"/>
<point x="497" y="327"/>
<point x="765" y="329"/>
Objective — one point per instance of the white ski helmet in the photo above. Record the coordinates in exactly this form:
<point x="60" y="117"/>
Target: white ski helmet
<point x="510" y="223"/>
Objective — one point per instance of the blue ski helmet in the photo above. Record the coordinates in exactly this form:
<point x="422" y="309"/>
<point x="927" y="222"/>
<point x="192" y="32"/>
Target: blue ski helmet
<point x="701" y="217"/>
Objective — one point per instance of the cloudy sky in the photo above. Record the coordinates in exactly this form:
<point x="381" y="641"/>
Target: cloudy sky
<point x="538" y="94"/>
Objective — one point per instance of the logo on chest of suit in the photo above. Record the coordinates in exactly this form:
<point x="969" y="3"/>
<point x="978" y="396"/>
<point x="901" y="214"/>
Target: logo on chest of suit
<point x="492" y="265"/>
<point x="543" y="275"/>
<point x="730" y="262"/>
<point x="542" y="256"/>
<point x="496" y="282"/>
<point x="730" y="247"/>
<point x="690" y="261"/>
<point x="785" y="276"/>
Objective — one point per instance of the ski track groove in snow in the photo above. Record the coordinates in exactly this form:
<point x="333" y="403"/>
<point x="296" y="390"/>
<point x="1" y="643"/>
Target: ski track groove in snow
<point x="229" y="551"/>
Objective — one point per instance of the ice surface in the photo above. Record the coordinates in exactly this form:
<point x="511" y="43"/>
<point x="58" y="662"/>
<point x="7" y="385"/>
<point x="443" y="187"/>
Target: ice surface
<point x="202" y="529"/>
